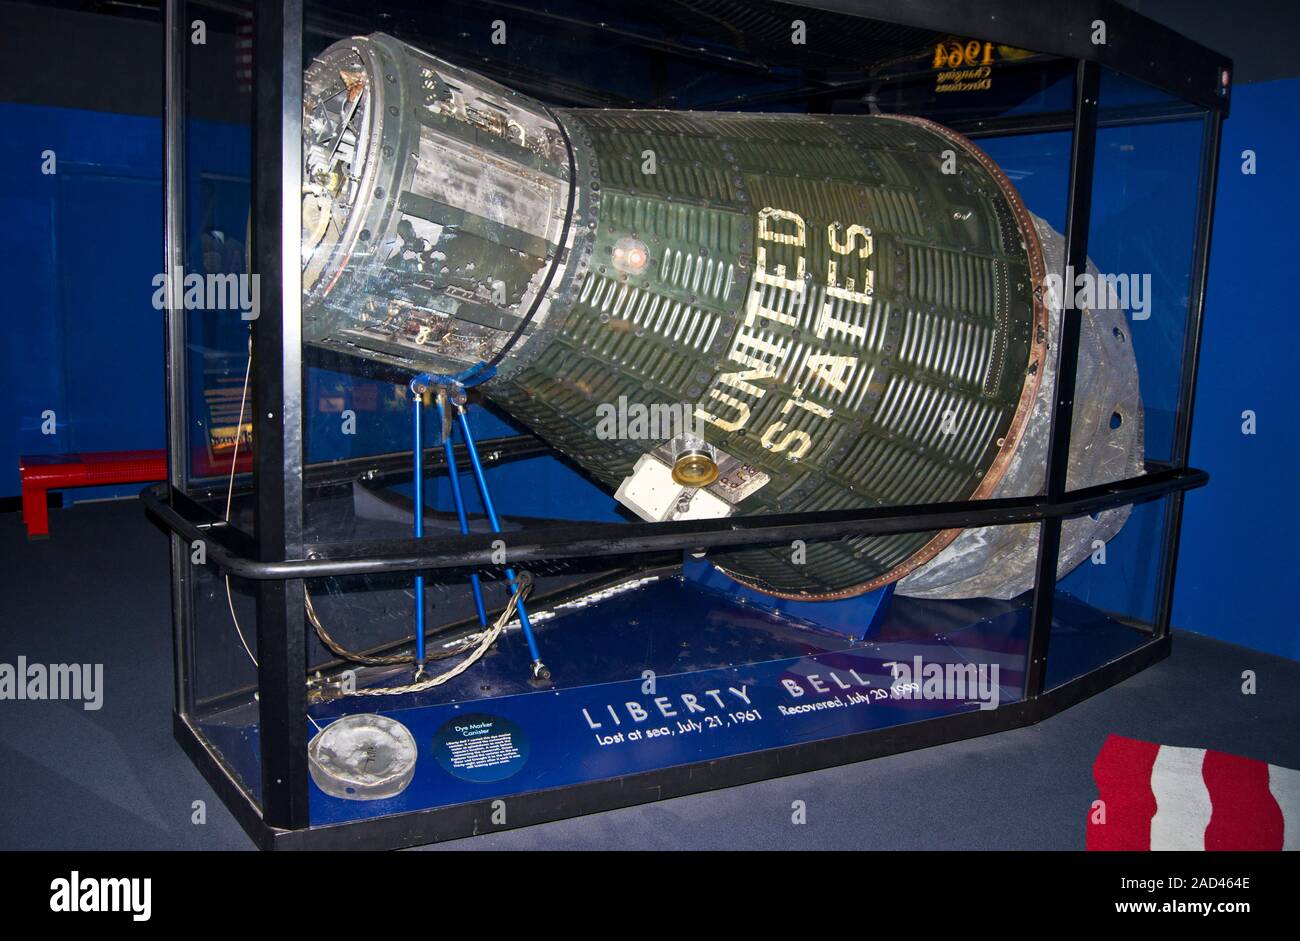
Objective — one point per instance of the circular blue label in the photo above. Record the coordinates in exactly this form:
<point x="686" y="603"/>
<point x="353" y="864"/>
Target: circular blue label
<point x="480" y="748"/>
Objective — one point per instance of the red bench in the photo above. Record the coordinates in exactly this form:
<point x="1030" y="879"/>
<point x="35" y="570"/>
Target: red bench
<point x="42" y="473"/>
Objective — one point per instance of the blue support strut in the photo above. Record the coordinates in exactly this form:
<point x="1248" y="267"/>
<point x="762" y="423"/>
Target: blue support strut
<point x="417" y="439"/>
<point x="539" y="669"/>
<point x="453" y="476"/>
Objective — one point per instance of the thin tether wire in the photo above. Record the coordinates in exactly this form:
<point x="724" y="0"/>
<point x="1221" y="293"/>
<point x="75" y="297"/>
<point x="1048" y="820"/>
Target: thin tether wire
<point x="485" y="639"/>
<point x="230" y="495"/>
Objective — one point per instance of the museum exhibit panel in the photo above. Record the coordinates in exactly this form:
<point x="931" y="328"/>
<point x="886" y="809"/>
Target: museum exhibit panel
<point x="565" y="415"/>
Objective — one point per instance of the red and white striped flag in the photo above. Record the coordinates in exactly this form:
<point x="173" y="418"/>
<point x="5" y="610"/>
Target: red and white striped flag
<point x="1155" y="797"/>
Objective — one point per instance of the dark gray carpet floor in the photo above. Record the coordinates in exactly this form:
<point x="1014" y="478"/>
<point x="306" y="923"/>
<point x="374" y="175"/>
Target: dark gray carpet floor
<point x="97" y="591"/>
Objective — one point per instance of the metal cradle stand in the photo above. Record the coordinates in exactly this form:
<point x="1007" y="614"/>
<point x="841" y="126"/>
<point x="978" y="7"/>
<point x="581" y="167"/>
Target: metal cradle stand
<point x="278" y="561"/>
<point x="451" y="395"/>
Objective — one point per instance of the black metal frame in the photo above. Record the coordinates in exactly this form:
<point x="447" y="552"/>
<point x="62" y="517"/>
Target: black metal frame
<point x="470" y="819"/>
<point x="227" y="548"/>
<point x="278" y="560"/>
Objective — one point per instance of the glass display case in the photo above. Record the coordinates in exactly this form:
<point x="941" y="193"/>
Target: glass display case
<point x="577" y="407"/>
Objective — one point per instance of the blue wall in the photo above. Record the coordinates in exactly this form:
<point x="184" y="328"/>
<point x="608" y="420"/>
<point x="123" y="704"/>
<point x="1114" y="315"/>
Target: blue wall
<point x="1238" y="563"/>
<point x="79" y="250"/>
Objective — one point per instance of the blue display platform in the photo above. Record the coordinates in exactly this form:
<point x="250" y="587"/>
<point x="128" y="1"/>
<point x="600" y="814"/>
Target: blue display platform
<point x="670" y="673"/>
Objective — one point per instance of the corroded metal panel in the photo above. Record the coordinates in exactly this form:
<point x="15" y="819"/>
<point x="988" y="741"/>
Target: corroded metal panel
<point x="845" y="317"/>
<point x="850" y="308"/>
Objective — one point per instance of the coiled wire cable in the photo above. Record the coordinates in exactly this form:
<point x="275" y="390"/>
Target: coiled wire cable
<point x="484" y="639"/>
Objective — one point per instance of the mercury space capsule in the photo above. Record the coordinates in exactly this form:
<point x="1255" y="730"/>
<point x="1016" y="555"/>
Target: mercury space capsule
<point x="837" y="311"/>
